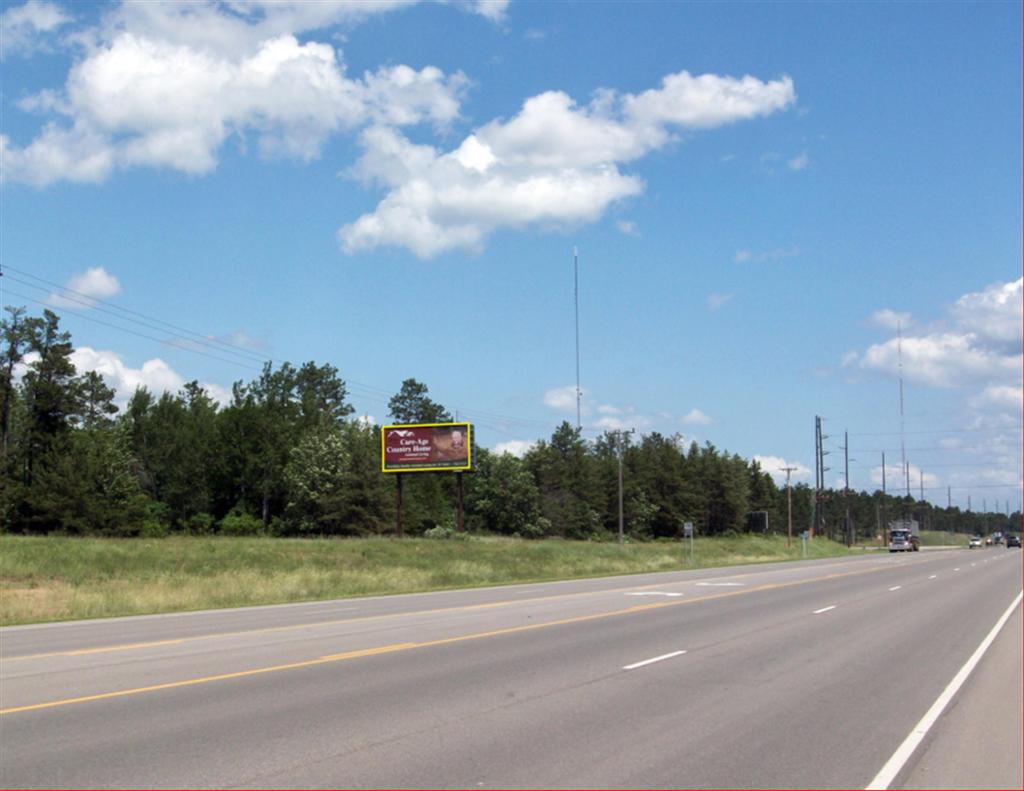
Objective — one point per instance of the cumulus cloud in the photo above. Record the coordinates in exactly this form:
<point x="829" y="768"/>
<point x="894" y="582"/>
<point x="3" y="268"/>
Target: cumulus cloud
<point x="946" y="359"/>
<point x="982" y="348"/>
<point x="562" y="398"/>
<point x="696" y="418"/>
<point x="613" y="418"/>
<point x="776" y="467"/>
<point x="26" y="29"/>
<point x="1009" y="397"/>
<point x="166" y="85"/>
<point x="890" y="319"/>
<point x="83" y="289"/>
<point x="996" y="313"/>
<point x="555" y="164"/>
<point x="514" y="447"/>
<point x="155" y="375"/>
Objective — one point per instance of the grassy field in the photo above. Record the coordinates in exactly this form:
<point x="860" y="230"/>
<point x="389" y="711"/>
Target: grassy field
<point x="57" y="578"/>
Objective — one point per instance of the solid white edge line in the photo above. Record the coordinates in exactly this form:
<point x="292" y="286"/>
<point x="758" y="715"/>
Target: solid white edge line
<point x="825" y="609"/>
<point x="651" y="661"/>
<point x="895" y="588"/>
<point x="904" y="751"/>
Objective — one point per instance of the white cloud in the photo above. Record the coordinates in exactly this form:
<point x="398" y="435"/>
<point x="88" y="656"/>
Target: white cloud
<point x="514" y="447"/>
<point x="996" y="313"/>
<point x="491" y="9"/>
<point x="896" y="479"/>
<point x="768" y="256"/>
<point x="1007" y="397"/>
<point x="627" y="227"/>
<point x="978" y="349"/>
<point x="553" y="165"/>
<point x="166" y="85"/>
<point x="718" y="301"/>
<point x="775" y="466"/>
<point x="696" y="418"/>
<point x="83" y="289"/>
<point x="23" y="28"/>
<point x="562" y="398"/>
<point x="850" y="358"/>
<point x="155" y="375"/>
<point x="942" y="360"/>
<point x="799" y="162"/>
<point x="890" y="319"/>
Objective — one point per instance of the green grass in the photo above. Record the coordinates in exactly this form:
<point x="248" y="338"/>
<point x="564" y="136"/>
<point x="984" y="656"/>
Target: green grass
<point x="59" y="578"/>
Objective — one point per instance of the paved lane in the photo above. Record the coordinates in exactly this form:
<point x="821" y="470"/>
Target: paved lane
<point x="791" y="675"/>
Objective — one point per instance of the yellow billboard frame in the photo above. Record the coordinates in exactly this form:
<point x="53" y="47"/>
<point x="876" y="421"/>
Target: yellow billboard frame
<point x="469" y="454"/>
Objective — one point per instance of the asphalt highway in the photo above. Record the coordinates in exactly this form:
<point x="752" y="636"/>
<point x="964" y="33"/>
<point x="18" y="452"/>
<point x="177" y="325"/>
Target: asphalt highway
<point x="795" y="675"/>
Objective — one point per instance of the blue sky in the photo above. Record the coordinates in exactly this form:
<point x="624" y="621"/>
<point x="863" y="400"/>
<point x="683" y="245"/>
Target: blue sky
<point x="758" y="194"/>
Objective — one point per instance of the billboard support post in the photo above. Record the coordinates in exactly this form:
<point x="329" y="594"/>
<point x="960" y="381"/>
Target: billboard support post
<point x="460" y="526"/>
<point x="398" y="504"/>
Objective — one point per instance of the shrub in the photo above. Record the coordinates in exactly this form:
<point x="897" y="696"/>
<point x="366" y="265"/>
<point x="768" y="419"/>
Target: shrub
<point x="240" y="524"/>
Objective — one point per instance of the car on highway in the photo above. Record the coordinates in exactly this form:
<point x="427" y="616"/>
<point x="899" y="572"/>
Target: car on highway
<point x="974" y="542"/>
<point x="1012" y="541"/>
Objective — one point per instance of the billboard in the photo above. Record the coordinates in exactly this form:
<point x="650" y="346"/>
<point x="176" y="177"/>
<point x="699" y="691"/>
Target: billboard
<point x="426" y="447"/>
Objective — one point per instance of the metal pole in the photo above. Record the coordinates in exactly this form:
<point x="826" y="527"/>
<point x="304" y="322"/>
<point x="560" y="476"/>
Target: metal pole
<point x="621" y="519"/>
<point x="846" y="491"/>
<point x="885" y="505"/>
<point x="460" y="526"/>
<point x="398" y="503"/>
<point x="576" y="300"/>
<point x="618" y="437"/>
<point x="789" y="508"/>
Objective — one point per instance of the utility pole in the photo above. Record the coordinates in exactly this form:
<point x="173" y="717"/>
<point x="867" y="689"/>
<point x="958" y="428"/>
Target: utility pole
<point x="819" y="493"/>
<point x="618" y="436"/>
<point x="846" y="489"/>
<point x="885" y="505"/>
<point x="920" y="474"/>
<point x="949" y="497"/>
<point x="789" y="507"/>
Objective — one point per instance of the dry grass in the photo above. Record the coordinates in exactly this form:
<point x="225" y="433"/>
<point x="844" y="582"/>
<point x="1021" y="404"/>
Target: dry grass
<point x="57" y="578"/>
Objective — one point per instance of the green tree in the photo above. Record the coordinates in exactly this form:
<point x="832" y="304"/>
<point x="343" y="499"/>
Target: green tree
<point x="49" y="388"/>
<point x="412" y="405"/>
<point x="503" y="497"/>
<point x="314" y="477"/>
<point x="96" y="401"/>
<point x="84" y="484"/>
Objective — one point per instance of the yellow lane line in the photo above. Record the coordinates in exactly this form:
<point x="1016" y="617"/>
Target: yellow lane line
<point x="393" y="648"/>
<point x="126" y="647"/>
<point x="359" y="619"/>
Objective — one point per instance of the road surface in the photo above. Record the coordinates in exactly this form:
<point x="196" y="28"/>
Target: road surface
<point x="795" y="675"/>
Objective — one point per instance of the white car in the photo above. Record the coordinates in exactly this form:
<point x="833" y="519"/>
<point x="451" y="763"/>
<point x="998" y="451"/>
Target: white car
<point x="975" y="542"/>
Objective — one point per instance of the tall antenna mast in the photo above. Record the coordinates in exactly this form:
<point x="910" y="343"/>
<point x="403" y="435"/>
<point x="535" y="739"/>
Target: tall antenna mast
<point x="576" y="299"/>
<point x="899" y="353"/>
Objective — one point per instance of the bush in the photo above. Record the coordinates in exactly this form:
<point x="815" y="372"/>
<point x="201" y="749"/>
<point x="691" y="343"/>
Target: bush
<point x="240" y="524"/>
<point x="199" y="524"/>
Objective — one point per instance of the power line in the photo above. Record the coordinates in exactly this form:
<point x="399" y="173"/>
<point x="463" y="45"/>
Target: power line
<point x="115" y="310"/>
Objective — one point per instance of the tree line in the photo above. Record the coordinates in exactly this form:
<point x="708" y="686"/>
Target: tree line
<point x="286" y="457"/>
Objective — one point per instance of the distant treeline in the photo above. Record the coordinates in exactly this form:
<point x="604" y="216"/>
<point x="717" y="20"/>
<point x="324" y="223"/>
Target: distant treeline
<point x="286" y="457"/>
